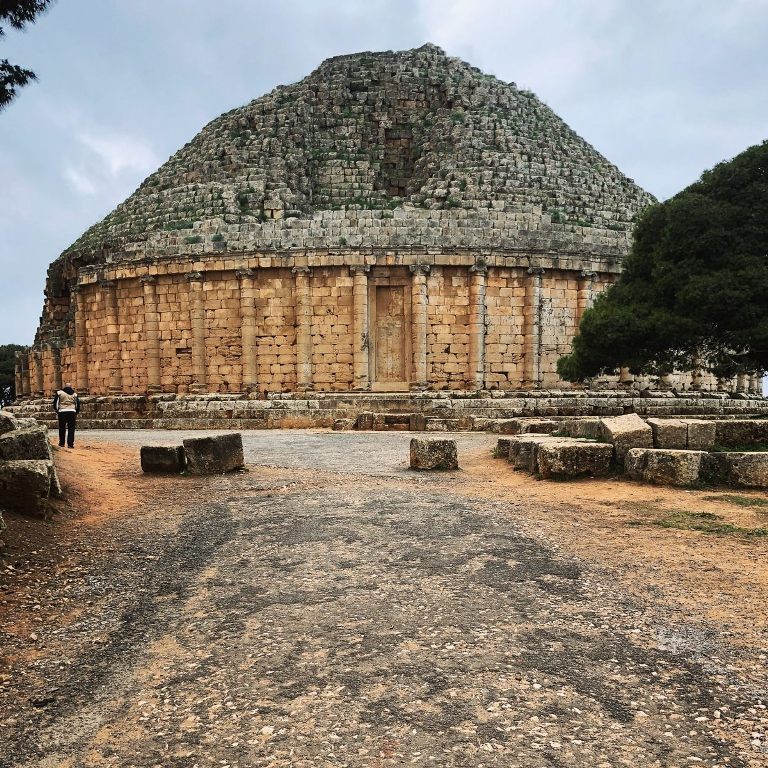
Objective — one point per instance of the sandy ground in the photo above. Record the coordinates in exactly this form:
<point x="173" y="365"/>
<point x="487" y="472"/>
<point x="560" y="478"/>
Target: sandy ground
<point x="329" y="607"/>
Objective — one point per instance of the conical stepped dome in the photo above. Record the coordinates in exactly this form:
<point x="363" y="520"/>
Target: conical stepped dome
<point x="375" y="131"/>
<point x="392" y="221"/>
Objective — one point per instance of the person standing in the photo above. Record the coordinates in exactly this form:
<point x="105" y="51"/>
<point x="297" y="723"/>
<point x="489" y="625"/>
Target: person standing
<point x="66" y="403"/>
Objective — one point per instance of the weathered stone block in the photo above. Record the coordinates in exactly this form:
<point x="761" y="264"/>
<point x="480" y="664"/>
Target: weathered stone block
<point x="523" y="450"/>
<point x="669" y="433"/>
<point x="7" y="422"/>
<point x="581" y="427"/>
<point x="165" y="459"/>
<point x="215" y="454"/>
<point x="365" y="421"/>
<point x="663" y="466"/>
<point x="701" y="434"/>
<point x="25" y="485"/>
<point x="502" y="448"/>
<point x="342" y="425"/>
<point x="741" y="432"/>
<point x="626" y="432"/>
<point x="23" y="444"/>
<point x="574" y="459"/>
<point x="747" y="470"/>
<point x="433" y="454"/>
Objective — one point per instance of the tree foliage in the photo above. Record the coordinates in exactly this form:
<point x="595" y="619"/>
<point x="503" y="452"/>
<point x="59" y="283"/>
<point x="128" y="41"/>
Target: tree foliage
<point x="694" y="289"/>
<point x="17" y="13"/>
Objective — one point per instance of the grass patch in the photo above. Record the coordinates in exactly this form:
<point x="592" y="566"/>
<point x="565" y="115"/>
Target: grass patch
<point x="739" y="501"/>
<point x="703" y="522"/>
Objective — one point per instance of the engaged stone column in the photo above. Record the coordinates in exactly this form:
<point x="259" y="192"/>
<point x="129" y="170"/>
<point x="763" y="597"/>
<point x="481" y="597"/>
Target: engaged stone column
<point x="23" y="358"/>
<point x="151" y="333"/>
<point x="477" y="284"/>
<point x="360" y="364"/>
<point x="37" y="359"/>
<point x="18" y="374"/>
<point x="57" y="383"/>
<point x="112" y="336"/>
<point x="197" y="324"/>
<point x="81" y="341"/>
<point x="419" y="325"/>
<point x="585" y="295"/>
<point x="248" y="329"/>
<point x="303" y="329"/>
<point x="532" y="314"/>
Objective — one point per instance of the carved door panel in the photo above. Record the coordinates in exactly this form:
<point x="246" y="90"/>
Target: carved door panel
<point x="389" y="328"/>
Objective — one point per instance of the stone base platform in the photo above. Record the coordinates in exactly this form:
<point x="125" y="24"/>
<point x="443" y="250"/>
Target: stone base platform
<point x="423" y="411"/>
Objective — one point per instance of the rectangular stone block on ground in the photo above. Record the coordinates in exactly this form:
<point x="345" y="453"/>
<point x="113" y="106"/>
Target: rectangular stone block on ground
<point x="164" y="459"/>
<point x="626" y="432"/>
<point x="26" y="485"/>
<point x="747" y="470"/>
<point x="433" y="454"/>
<point x="501" y="451"/>
<point x="669" y="433"/>
<point x="581" y="427"/>
<point x="29" y="443"/>
<point x="738" y="433"/>
<point x="523" y="450"/>
<point x="663" y="466"/>
<point x="215" y="454"/>
<point x="701" y="434"/>
<point x="8" y="422"/>
<point x="574" y="459"/>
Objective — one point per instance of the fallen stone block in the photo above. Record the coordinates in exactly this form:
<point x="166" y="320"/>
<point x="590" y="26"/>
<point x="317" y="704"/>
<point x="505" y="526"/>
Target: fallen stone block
<point x="626" y="432"/>
<point x="215" y="454"/>
<point x="163" y="459"/>
<point x="746" y="470"/>
<point x="669" y="433"/>
<point x="501" y="451"/>
<point x="342" y="425"/>
<point x="701" y="434"/>
<point x="523" y="449"/>
<point x="23" y="444"/>
<point x="364" y="421"/>
<point x="25" y="485"/>
<point x="574" y="459"/>
<point x="525" y="426"/>
<point x="433" y="454"/>
<point x="589" y="428"/>
<point x="736" y="433"/>
<point x="663" y="466"/>
<point x="417" y="422"/>
<point x="8" y="422"/>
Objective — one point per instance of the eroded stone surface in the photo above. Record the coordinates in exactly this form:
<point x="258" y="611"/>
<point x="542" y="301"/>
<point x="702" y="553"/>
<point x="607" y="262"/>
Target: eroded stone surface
<point x="25" y="485"/>
<point x="663" y="466"/>
<point x="669" y="433"/>
<point x="626" y="432"/>
<point x="29" y="443"/>
<point x="170" y="459"/>
<point x="214" y="454"/>
<point x="433" y="454"/>
<point x="574" y="459"/>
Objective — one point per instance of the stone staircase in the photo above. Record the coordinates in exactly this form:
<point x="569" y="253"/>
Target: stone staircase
<point x="430" y="411"/>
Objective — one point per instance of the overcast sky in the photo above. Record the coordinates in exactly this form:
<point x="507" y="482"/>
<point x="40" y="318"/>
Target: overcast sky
<point x="663" y="88"/>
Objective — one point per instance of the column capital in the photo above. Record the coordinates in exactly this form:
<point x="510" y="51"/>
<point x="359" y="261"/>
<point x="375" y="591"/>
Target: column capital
<point x="420" y="269"/>
<point x="535" y="270"/>
<point x="77" y="288"/>
<point x="588" y="274"/>
<point x="479" y="267"/>
<point x="194" y="276"/>
<point x="360" y="269"/>
<point x="243" y="273"/>
<point x="301" y="270"/>
<point x="107" y="283"/>
<point x="148" y="279"/>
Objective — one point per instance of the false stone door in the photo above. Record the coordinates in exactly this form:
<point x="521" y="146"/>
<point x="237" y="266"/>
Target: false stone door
<point x="389" y="334"/>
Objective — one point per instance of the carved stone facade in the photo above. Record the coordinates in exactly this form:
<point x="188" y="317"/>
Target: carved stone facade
<point x="393" y="222"/>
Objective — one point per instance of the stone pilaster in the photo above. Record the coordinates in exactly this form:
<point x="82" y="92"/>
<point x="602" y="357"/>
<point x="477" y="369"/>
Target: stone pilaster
<point x="303" y="328"/>
<point x="532" y="317"/>
<point x="26" y="384"/>
<point x="197" y="325"/>
<point x="151" y="333"/>
<point x="18" y="374"/>
<point x="419" y="300"/>
<point x="37" y="361"/>
<point x="109" y="294"/>
<point x="477" y="311"/>
<point x="360" y="341"/>
<point x="585" y="296"/>
<point x="249" y="339"/>
<point x="81" y="341"/>
<point x="57" y="382"/>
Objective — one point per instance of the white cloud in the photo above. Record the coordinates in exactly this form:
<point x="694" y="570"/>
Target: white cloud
<point x="120" y="153"/>
<point x="80" y="181"/>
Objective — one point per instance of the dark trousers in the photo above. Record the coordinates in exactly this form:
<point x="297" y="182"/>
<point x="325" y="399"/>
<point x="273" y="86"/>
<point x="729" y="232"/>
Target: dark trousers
<point x="67" y="425"/>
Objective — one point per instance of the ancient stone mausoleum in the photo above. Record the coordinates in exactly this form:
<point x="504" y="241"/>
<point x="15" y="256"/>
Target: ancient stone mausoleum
<point x="393" y="222"/>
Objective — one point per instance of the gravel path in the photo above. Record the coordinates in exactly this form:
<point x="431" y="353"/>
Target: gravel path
<point x="330" y="608"/>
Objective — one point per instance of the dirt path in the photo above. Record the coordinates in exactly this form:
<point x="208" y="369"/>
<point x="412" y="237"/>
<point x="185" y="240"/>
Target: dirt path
<point x="329" y="608"/>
